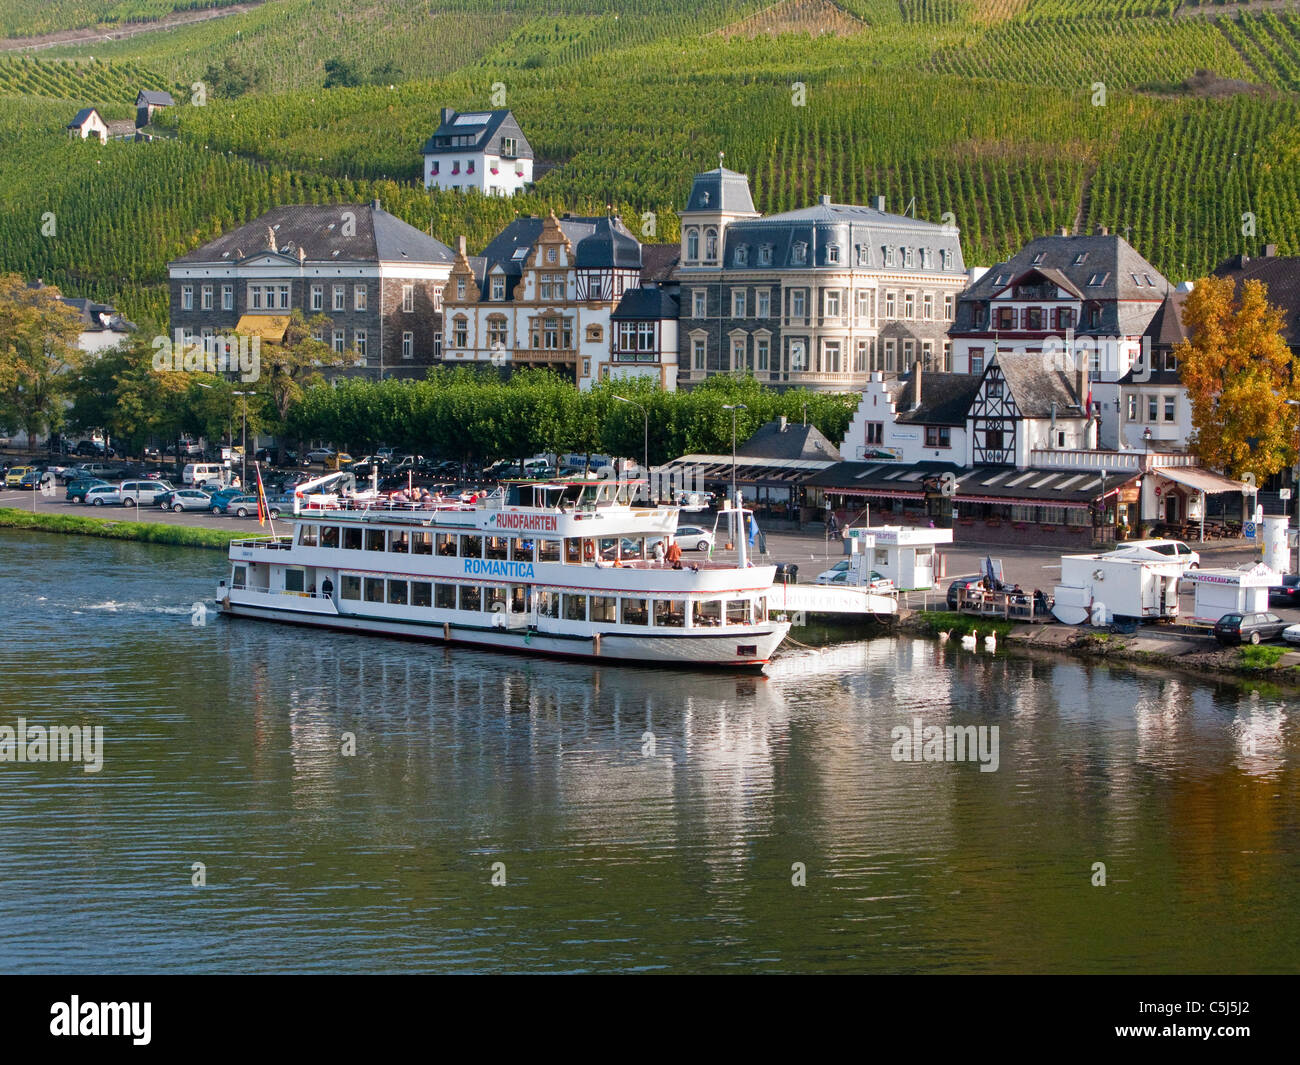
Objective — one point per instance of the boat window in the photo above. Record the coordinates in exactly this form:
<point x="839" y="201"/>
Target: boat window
<point x="307" y="536"/>
<point x="446" y="543"/>
<point x="572" y="551"/>
<point x="444" y="596"/>
<point x="608" y="547"/>
<point x="351" y="587"/>
<point x="374" y="589"/>
<point x="374" y="539"/>
<point x="737" y="611"/>
<point x="293" y="580"/>
<point x="421" y="543"/>
<point x="471" y="546"/>
<point x="708" y="612"/>
<point x="351" y="539"/>
<point x="329" y="536"/>
<point x="521" y="550"/>
<point x="548" y="551"/>
<point x="398" y="541"/>
<point x="634" y="612"/>
<point x="575" y="607"/>
<point x="670" y="612"/>
<point x="240" y="577"/>
<point x="421" y="593"/>
<point x="634" y="547"/>
<point x="762" y="609"/>
<point x="604" y="608"/>
<point x="548" y="604"/>
<point x="518" y="598"/>
<point x="397" y="592"/>
<point x="495" y="547"/>
<point x="470" y="598"/>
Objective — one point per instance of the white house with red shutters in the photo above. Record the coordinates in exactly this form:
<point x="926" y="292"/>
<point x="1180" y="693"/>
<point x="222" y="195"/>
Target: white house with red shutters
<point x="482" y="151"/>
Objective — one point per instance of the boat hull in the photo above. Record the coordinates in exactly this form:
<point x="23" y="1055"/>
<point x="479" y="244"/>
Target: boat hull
<point x="747" y="650"/>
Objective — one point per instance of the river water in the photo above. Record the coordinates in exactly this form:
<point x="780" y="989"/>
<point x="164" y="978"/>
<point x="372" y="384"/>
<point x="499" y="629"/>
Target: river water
<point x="639" y="820"/>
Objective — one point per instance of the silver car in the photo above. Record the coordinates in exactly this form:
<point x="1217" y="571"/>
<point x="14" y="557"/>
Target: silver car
<point x="243" y="506"/>
<point x="102" y="494"/>
<point x="185" y="499"/>
<point x="135" y="493"/>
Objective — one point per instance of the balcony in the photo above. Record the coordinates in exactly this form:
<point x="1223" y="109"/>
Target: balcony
<point x="1111" y="461"/>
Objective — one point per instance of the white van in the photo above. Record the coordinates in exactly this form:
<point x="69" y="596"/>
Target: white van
<point x="197" y="474"/>
<point x="1158" y="551"/>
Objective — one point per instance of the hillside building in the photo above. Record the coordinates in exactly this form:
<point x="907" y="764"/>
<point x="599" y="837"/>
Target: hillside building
<point x="483" y="151"/>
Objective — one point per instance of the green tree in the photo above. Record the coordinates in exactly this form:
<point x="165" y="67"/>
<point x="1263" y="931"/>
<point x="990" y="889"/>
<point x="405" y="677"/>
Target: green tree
<point x="38" y="356"/>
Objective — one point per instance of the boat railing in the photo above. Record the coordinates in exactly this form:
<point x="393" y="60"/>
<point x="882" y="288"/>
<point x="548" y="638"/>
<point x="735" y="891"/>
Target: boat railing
<point x="266" y="543"/>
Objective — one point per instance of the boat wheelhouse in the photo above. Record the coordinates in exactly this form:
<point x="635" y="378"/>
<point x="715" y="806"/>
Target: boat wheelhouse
<point x="557" y="568"/>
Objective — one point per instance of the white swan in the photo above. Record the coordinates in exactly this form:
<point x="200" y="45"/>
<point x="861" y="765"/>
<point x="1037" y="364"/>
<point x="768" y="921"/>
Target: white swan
<point x="991" y="642"/>
<point x="944" y="636"/>
<point x="968" y="643"/>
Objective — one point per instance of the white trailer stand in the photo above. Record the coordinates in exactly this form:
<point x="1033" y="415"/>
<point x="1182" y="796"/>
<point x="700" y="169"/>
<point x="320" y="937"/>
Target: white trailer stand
<point x="908" y="557"/>
<point x="1101" y="588"/>
<point x="1229" y="591"/>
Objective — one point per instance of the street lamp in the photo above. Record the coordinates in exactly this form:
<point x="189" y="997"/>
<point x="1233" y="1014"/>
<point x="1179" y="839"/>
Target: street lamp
<point x="243" y="441"/>
<point x="733" y="407"/>
<point x="645" y="444"/>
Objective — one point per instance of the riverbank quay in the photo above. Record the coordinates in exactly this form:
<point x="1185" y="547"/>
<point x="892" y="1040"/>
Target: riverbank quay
<point x="115" y="529"/>
<point x="1174" y="647"/>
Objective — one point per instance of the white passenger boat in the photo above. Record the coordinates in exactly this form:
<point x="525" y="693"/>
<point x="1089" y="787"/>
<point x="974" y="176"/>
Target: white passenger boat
<point x="553" y="568"/>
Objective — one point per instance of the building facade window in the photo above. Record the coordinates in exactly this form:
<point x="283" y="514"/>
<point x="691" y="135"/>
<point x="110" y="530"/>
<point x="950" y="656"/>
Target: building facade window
<point x="187" y="297"/>
<point x="408" y="298"/>
<point x="798" y="304"/>
<point x="339" y="297"/>
<point x="205" y="298"/>
<point x="498" y="288"/>
<point x="762" y="352"/>
<point x="227" y="297"/>
<point x="699" y="303"/>
<point x="317" y="297"/>
<point x="938" y="436"/>
<point x="361" y="341"/>
<point x="340" y="342"/>
<point x="738" y="303"/>
<point x="698" y="350"/>
<point x="763" y="303"/>
<point x="408" y="345"/>
<point x="890" y="306"/>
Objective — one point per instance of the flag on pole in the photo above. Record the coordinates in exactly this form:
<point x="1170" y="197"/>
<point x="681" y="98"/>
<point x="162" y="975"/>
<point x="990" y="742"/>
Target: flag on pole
<point x="262" y="508"/>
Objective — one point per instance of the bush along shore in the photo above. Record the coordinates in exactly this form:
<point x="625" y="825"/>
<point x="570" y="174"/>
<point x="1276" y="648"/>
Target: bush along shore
<point x="109" y="529"/>
<point x="1150" y="646"/>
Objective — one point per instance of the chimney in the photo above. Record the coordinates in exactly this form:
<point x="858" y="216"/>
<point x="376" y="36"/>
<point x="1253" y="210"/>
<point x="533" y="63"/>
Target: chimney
<point x="1080" y="385"/>
<point x="1101" y="230"/>
<point x="825" y="201"/>
<point x="374" y="204"/>
<point x="447" y="115"/>
<point x="1270" y="251"/>
<point x="781" y="423"/>
<point x="1064" y="231"/>
<point x="878" y="202"/>
<point x="916" y="385"/>
<point x="460" y="244"/>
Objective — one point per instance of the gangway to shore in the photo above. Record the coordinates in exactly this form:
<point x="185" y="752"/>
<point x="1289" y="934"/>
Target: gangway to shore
<point x="829" y="599"/>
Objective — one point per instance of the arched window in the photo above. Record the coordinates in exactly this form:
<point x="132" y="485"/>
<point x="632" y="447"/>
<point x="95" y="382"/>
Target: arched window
<point x="692" y="244"/>
<point x="710" y="245"/>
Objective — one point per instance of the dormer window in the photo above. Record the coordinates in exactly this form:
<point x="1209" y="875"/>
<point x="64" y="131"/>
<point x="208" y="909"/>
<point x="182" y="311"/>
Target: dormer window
<point x="741" y="255"/>
<point x="550" y="255"/>
<point x="704" y="199"/>
<point x="765" y="255"/>
<point x="1098" y="279"/>
<point x="887" y="253"/>
<point x="909" y="257"/>
<point x="832" y="253"/>
<point x="507" y="146"/>
<point x="498" y="288"/>
<point x="945" y="259"/>
<point x="1081" y="258"/>
<point x="1038" y="259"/>
<point x="799" y="253"/>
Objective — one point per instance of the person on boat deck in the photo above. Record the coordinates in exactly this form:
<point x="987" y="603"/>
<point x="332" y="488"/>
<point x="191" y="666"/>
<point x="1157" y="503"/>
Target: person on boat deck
<point x="327" y="588"/>
<point x="660" y="552"/>
<point x="400" y="497"/>
<point x="674" y="554"/>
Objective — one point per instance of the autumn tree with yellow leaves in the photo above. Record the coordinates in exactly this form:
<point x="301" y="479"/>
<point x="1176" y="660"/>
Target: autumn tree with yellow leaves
<point x="1239" y="374"/>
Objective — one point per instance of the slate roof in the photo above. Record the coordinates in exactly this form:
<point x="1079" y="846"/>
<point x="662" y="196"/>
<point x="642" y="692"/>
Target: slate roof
<point x="945" y="398"/>
<point x="1282" y="276"/>
<point x="318" y="230"/>
<point x="794" y="441"/>
<point x="155" y="98"/>
<point x="990" y="484"/>
<point x="484" y="127"/>
<point x="721" y="190"/>
<point x="659" y="261"/>
<point x="523" y="233"/>
<point x="1037" y="391"/>
<point x="82" y="117"/>
<point x="861" y="235"/>
<point x="647" y="302"/>
<point x="1108" y="259"/>
<point x="97" y="317"/>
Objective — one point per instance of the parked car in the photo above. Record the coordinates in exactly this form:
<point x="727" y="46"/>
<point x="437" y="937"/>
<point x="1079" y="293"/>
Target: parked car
<point x="101" y="495"/>
<point x="1287" y="593"/>
<point x="94" y="449"/>
<point x="201" y="473"/>
<point x="179" y="499"/>
<point x="384" y="453"/>
<point x="1158" y="551"/>
<point x="959" y="585"/>
<point x="243" y="506"/>
<point x="15" y="476"/>
<point x="77" y="489"/>
<point x="31" y="481"/>
<point x="693" y="538"/>
<point x="218" y="498"/>
<point x="151" y="454"/>
<point x="98" y="469"/>
<point x="839" y="574"/>
<point x="1248" y="628"/>
<point x="189" y="448"/>
<point x="320" y="454"/>
<point x="146" y="492"/>
<point x="340" y="461"/>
